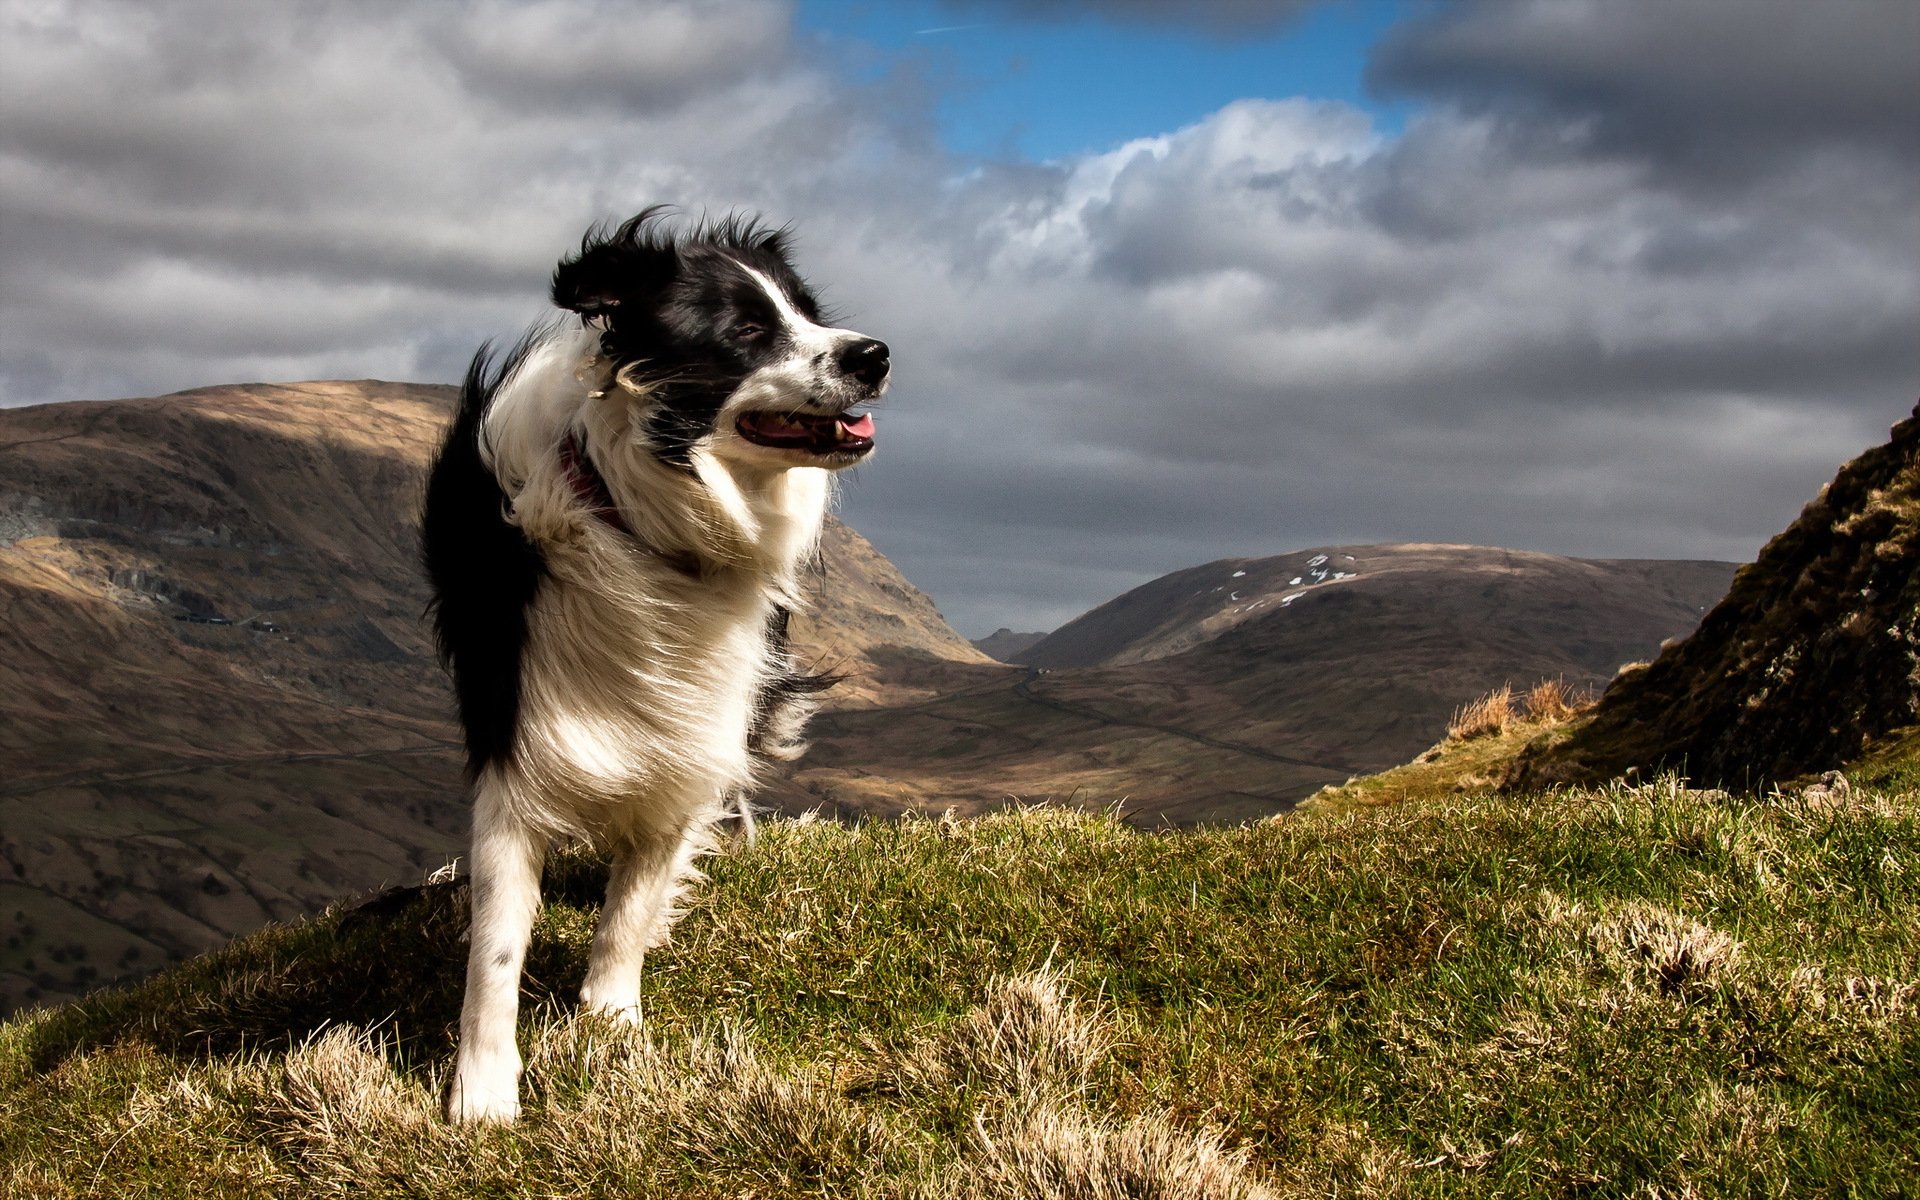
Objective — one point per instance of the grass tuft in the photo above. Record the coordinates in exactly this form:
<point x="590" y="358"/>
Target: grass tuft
<point x="1551" y="701"/>
<point x="1674" y="953"/>
<point x="1483" y="740"/>
<point x="1546" y="704"/>
<point x="1047" y="1154"/>
<point x="1491" y="713"/>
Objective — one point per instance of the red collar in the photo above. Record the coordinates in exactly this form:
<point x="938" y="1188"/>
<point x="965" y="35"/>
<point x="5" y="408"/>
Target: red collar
<point x="591" y="488"/>
<point x="589" y="485"/>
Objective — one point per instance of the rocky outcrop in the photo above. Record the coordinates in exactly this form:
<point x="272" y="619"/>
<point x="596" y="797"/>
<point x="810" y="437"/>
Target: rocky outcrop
<point x="1814" y="652"/>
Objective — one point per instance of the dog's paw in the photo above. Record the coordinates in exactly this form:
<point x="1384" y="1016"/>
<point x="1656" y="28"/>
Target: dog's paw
<point x="625" y="1012"/>
<point x="483" y="1097"/>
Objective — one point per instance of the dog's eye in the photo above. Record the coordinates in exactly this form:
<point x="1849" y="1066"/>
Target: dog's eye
<point x="749" y="331"/>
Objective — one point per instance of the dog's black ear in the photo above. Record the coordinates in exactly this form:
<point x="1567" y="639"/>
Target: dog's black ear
<point x="622" y="268"/>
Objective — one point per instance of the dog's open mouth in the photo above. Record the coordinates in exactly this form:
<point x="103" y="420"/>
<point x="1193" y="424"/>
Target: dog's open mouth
<point x="842" y="434"/>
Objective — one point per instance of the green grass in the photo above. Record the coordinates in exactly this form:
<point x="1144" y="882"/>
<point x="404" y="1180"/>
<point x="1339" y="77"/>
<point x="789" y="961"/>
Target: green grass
<point x="1452" y="767"/>
<point x="1622" y="992"/>
<point x="1892" y="761"/>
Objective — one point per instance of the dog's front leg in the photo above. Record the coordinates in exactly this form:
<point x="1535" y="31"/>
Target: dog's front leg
<point x="647" y="878"/>
<point x="505" y="894"/>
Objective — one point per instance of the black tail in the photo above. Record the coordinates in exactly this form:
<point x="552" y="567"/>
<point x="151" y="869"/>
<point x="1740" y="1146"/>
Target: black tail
<point x="484" y="571"/>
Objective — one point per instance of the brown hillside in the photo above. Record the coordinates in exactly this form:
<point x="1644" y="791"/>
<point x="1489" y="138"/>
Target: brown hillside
<point x="1278" y="688"/>
<point x="870" y="624"/>
<point x="1594" y="608"/>
<point x="1814" y="651"/>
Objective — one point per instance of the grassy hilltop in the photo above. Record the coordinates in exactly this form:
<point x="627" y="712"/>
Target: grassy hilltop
<point x="1619" y="991"/>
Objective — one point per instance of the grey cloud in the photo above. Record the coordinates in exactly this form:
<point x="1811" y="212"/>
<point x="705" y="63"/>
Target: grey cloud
<point x="342" y="184"/>
<point x="1705" y="87"/>
<point x="586" y="55"/>
<point x="1557" y="286"/>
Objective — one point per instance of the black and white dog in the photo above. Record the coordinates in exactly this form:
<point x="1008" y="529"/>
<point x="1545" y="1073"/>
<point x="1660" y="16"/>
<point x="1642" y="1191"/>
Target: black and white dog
<point x="616" y="530"/>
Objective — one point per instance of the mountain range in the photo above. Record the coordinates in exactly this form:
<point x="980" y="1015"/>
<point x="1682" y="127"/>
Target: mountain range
<point x="218" y="699"/>
<point x="1235" y="689"/>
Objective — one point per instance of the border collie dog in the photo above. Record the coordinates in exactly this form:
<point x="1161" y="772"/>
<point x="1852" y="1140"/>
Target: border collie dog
<point x="616" y="530"/>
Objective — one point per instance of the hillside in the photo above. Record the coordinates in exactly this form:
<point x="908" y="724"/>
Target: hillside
<point x="1812" y="656"/>
<point x="1635" y="991"/>
<point x="872" y="626"/>
<point x="1809" y="667"/>
<point x="1539" y="597"/>
<point x="218" y="700"/>
<point x="1234" y="693"/>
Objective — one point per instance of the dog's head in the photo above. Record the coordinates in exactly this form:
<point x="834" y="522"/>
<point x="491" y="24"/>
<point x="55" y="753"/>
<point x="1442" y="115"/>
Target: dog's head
<point x="726" y="342"/>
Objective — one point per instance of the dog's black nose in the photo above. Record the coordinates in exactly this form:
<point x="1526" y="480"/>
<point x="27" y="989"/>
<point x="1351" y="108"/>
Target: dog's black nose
<point x="865" y="360"/>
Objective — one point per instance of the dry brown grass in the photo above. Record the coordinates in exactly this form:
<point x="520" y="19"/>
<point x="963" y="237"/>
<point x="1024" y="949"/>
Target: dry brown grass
<point x="1491" y="713"/>
<point x="1055" y="1154"/>
<point x="1675" y="954"/>
<point x="1546" y="704"/>
<point x="614" y="1102"/>
<point x="1551" y="700"/>
<point x="1030" y="1041"/>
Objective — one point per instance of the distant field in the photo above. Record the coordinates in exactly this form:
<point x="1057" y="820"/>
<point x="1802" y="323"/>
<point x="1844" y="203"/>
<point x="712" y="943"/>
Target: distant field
<point x="1627" y="991"/>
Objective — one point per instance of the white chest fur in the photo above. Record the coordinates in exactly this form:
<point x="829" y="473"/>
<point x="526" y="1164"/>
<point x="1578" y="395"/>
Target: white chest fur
<point x="645" y="650"/>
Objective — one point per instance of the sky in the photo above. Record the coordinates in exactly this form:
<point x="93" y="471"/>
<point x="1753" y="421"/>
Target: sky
<point x="1164" y="283"/>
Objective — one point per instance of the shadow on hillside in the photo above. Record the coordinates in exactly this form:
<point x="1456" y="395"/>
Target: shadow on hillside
<point x="393" y="965"/>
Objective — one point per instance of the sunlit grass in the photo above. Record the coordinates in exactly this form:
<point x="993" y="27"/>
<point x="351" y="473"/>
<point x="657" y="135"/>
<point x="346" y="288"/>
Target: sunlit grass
<point x="1632" y="990"/>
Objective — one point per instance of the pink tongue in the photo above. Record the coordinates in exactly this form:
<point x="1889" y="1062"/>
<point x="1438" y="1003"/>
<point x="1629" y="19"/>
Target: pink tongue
<point x="863" y="428"/>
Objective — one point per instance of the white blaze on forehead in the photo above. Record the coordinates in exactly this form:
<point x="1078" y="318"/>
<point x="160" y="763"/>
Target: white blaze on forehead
<point x="806" y="334"/>
<point x="807" y="376"/>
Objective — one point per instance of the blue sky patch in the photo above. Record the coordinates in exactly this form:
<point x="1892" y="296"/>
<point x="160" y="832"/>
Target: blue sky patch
<point x="1021" y="89"/>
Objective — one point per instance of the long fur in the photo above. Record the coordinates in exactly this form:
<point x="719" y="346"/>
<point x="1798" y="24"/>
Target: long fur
<point x="619" y="682"/>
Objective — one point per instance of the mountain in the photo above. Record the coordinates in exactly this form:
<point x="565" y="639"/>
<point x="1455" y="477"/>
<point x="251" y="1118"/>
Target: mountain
<point x="216" y="705"/>
<point x="872" y="626"/>
<point x="218" y="699"/>
<point x="1813" y="656"/>
<point x="1235" y="689"/>
<point x="1612" y="604"/>
<point x="1006" y="645"/>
